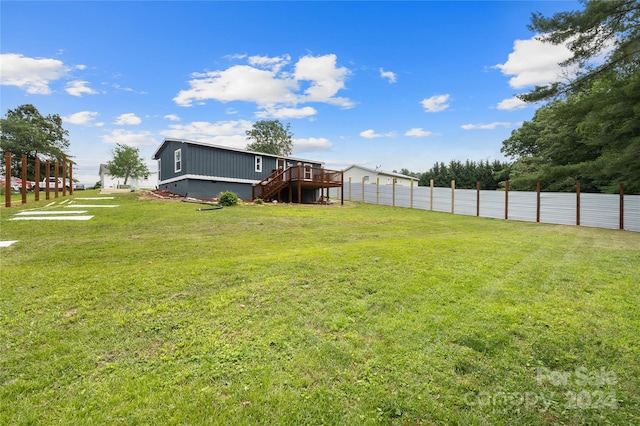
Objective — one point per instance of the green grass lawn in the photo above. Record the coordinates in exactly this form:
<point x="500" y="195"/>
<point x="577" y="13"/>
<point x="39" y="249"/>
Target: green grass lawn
<point x="155" y="313"/>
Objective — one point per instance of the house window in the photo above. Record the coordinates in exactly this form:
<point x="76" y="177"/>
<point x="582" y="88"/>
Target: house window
<point x="177" y="157"/>
<point x="366" y="178"/>
<point x="159" y="169"/>
<point x="258" y="164"/>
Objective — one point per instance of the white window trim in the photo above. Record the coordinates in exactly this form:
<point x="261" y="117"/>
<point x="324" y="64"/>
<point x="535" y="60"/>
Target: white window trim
<point x="177" y="164"/>
<point x="307" y="171"/>
<point x="258" y="163"/>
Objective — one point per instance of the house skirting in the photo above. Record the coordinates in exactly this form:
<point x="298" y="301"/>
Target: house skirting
<point x="204" y="187"/>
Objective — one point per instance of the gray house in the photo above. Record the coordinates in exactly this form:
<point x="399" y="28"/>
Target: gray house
<point x="202" y="170"/>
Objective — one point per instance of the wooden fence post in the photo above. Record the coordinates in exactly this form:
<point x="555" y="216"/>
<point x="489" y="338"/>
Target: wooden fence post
<point x="377" y="190"/>
<point x="23" y="175"/>
<point x="7" y="183"/>
<point x="56" y="174"/>
<point x="363" y="189"/>
<point x="478" y="198"/>
<point x="431" y="194"/>
<point x="621" y="205"/>
<point x="393" y="192"/>
<point x="577" y="203"/>
<point x="453" y="190"/>
<point x="411" y="195"/>
<point x="47" y="174"/>
<point x="506" y="200"/>
<point x="342" y="187"/>
<point x="71" y="179"/>
<point x="64" y="175"/>
<point x="538" y="202"/>
<point x="349" y="188"/>
<point x="37" y="178"/>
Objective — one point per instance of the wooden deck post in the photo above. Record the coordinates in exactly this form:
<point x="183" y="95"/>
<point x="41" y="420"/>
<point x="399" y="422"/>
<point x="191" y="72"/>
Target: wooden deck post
<point x="70" y="178"/>
<point x="322" y="199"/>
<point x="299" y="183"/>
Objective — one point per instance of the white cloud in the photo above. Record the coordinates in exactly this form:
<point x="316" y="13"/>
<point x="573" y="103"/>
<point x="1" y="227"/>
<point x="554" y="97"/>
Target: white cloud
<point x="436" y="103"/>
<point x="325" y="77"/>
<point x="371" y="134"/>
<point x="172" y="117"/>
<point x="282" y="113"/>
<point x="81" y="118"/>
<point x="128" y="119"/>
<point x="418" y="132"/>
<point x="78" y="88"/>
<point x="31" y="74"/>
<point x="126" y="137"/>
<point x="274" y="63"/>
<point x="264" y="83"/>
<point x="489" y="126"/>
<point x="511" y="104"/>
<point x="533" y="62"/>
<point x="311" y="144"/>
<point x="391" y="76"/>
<point x="227" y="133"/>
<point x="238" y="83"/>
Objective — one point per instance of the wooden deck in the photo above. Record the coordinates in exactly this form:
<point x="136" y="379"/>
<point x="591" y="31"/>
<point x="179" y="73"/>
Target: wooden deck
<point x="299" y="184"/>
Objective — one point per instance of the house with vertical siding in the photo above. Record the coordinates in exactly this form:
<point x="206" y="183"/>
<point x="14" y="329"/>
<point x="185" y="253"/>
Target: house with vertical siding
<point x="203" y="170"/>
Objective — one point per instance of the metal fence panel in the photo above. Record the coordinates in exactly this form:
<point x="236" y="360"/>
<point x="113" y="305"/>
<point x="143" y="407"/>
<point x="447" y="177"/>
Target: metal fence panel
<point x="442" y="199"/>
<point x="558" y="208"/>
<point x="600" y="210"/>
<point x="632" y="212"/>
<point x="465" y="201"/>
<point x="492" y="204"/>
<point x="522" y="206"/>
<point x="596" y="210"/>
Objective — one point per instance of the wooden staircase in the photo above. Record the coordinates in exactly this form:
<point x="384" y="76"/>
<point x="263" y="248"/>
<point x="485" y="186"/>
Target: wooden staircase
<point x="271" y="185"/>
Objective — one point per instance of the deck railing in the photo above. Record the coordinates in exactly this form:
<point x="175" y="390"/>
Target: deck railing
<point x="300" y="174"/>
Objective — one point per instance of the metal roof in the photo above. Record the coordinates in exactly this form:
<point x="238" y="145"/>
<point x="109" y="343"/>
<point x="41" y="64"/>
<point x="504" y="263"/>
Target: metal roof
<point x="227" y="148"/>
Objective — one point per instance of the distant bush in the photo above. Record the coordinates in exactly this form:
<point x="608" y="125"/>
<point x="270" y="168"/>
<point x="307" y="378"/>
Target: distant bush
<point x="228" y="199"/>
<point x="258" y="201"/>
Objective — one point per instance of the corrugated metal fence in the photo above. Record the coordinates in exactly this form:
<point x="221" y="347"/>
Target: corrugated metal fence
<point x="595" y="210"/>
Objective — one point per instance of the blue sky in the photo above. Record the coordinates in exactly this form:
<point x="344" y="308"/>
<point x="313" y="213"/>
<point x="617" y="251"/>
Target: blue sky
<point x="388" y="84"/>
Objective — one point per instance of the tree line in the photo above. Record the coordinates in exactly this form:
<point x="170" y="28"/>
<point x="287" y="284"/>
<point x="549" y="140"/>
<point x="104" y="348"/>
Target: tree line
<point x="490" y="174"/>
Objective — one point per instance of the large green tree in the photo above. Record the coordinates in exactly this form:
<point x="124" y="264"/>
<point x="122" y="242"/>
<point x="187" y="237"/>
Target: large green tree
<point x="270" y="137"/>
<point x="127" y="163"/>
<point x="25" y="131"/>
<point x="590" y="128"/>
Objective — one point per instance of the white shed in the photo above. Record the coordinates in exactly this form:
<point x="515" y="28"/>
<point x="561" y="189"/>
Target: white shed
<point x="111" y="182"/>
<point x="358" y="173"/>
